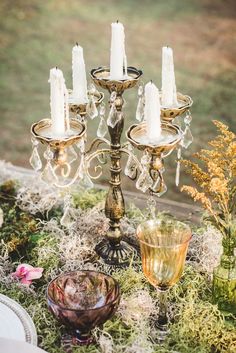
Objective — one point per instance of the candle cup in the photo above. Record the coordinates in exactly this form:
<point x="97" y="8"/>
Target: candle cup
<point x="80" y="109"/>
<point x="41" y="131"/>
<point x="101" y="77"/>
<point x="137" y="136"/>
<point x="184" y="103"/>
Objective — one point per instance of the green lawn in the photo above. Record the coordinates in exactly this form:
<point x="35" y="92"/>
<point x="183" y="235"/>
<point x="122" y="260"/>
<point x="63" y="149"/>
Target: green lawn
<point x="37" y="35"/>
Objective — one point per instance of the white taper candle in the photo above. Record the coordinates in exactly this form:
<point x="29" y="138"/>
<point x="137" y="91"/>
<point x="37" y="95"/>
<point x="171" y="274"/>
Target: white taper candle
<point x="117" y="54"/>
<point x="79" y="76"/>
<point x="57" y="101"/>
<point x="169" y="97"/>
<point x="152" y="113"/>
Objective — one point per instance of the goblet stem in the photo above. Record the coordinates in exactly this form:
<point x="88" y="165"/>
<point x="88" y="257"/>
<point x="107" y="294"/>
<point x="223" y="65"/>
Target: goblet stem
<point x="162" y="320"/>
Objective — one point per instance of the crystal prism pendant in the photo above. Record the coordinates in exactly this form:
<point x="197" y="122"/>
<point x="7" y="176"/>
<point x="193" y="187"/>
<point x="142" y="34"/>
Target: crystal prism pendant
<point x="163" y="189"/>
<point x="177" y="175"/>
<point x="67" y="220"/>
<point x="102" y="128"/>
<point x="131" y="168"/>
<point x="48" y="175"/>
<point x="113" y="117"/>
<point x="35" y="160"/>
<point x="140" y="110"/>
<point x="144" y="181"/>
<point x="71" y="155"/>
<point x="187" y="137"/>
<point x="91" y="109"/>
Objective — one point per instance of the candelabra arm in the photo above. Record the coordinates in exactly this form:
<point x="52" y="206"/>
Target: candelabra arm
<point x="97" y="142"/>
<point x="90" y="157"/>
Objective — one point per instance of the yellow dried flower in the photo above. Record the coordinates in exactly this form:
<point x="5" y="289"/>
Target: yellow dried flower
<point x="216" y="178"/>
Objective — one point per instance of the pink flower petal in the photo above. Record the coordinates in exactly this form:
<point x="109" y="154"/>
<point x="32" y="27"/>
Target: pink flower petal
<point x="25" y="281"/>
<point x="35" y="273"/>
<point x="22" y="270"/>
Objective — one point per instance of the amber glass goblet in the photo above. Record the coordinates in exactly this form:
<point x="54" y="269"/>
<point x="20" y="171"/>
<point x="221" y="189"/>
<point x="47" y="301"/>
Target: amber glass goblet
<point x="82" y="300"/>
<point x="164" y="244"/>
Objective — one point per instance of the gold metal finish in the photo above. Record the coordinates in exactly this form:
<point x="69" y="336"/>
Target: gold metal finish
<point x="81" y="108"/>
<point x="101" y="78"/>
<point x="135" y="132"/>
<point x="58" y="145"/>
<point x="168" y="114"/>
<point x="113" y="249"/>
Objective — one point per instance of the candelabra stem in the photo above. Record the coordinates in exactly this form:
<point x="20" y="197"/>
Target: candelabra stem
<point x="112" y="249"/>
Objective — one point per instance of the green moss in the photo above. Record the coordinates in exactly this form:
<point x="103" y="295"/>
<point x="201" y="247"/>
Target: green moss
<point x="197" y="325"/>
<point x="89" y="198"/>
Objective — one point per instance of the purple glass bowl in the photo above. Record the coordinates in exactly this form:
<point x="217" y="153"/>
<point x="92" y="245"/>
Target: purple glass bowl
<point x="82" y="300"/>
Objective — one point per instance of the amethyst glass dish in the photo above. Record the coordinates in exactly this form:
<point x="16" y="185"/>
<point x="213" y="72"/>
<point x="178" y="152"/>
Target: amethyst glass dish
<point x="82" y="300"/>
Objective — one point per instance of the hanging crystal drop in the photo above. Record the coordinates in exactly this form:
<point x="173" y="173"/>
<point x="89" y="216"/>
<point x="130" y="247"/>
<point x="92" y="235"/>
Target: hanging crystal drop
<point x="131" y="168"/>
<point x="163" y="189"/>
<point x="48" y="175"/>
<point x="156" y="184"/>
<point x="178" y="121"/>
<point x="113" y="117"/>
<point x="187" y="137"/>
<point x="48" y="154"/>
<point x="71" y="154"/>
<point x="102" y="110"/>
<point x="177" y="175"/>
<point x="140" y="110"/>
<point x="81" y="145"/>
<point x="113" y="97"/>
<point x="35" y="160"/>
<point x="67" y="220"/>
<point x="144" y="181"/>
<point x="91" y="109"/>
<point x="140" y="106"/>
<point x="81" y="167"/>
<point x="151" y="203"/>
<point x="102" y="128"/>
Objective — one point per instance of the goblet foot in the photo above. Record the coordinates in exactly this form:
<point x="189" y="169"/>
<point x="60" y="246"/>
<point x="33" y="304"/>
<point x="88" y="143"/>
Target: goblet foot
<point x="75" y="339"/>
<point x="115" y="254"/>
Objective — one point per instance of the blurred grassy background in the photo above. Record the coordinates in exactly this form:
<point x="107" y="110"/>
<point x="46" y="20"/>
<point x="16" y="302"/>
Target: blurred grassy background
<point x="38" y="35"/>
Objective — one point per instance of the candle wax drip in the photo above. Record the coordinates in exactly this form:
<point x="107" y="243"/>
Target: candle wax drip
<point x="165" y="138"/>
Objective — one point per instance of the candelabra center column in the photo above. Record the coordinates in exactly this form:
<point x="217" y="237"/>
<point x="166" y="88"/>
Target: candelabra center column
<point x="113" y="250"/>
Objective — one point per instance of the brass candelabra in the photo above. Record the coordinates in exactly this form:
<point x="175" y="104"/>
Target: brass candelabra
<point x="148" y="172"/>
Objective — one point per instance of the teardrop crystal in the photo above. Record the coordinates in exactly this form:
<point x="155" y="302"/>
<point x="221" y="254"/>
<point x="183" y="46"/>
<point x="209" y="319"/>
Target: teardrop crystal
<point x="140" y="110"/>
<point x="35" y="160"/>
<point x="113" y="117"/>
<point x="163" y="189"/>
<point x="187" y="137"/>
<point x="102" y="128"/>
<point x="131" y="168"/>
<point x="48" y="175"/>
<point x="71" y="154"/>
<point x="177" y="175"/>
<point x="91" y="108"/>
<point x="144" y="181"/>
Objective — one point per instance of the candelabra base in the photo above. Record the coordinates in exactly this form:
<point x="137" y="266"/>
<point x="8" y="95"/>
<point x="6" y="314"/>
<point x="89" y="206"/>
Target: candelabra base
<point x="115" y="254"/>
